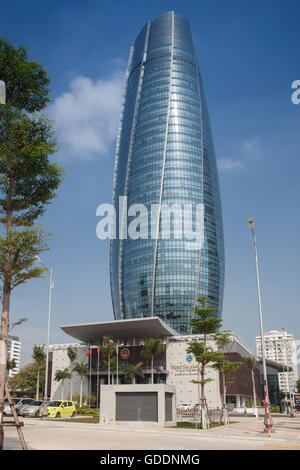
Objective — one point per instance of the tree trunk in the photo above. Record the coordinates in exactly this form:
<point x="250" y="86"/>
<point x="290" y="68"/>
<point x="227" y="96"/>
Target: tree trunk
<point x="108" y="378"/>
<point x="62" y="390"/>
<point x="37" y="385"/>
<point x="80" y="400"/>
<point x="3" y="352"/>
<point x="254" y="393"/>
<point x="5" y="305"/>
<point x="152" y="371"/>
<point x="71" y="387"/>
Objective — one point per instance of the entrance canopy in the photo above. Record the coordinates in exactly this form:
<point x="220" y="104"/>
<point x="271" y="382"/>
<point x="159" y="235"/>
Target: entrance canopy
<point x="150" y="327"/>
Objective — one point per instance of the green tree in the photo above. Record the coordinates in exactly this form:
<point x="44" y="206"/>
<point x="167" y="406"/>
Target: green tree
<point x="132" y="371"/>
<point x="61" y="376"/>
<point x="39" y="358"/>
<point x="298" y="386"/>
<point x="72" y="355"/>
<point x="81" y="368"/>
<point x="205" y="323"/>
<point x="152" y="347"/>
<point x="108" y="350"/>
<point x="112" y="365"/>
<point x="25" y="379"/>
<point x="28" y="180"/>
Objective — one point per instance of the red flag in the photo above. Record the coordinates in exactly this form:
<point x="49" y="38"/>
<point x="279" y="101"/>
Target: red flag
<point x="88" y="353"/>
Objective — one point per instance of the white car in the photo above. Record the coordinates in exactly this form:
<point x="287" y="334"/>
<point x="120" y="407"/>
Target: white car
<point x="31" y="410"/>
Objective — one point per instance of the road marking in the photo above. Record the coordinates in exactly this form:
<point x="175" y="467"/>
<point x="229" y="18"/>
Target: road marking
<point x="280" y="446"/>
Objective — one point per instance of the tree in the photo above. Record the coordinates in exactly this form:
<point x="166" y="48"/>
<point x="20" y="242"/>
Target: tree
<point x="152" y="347"/>
<point x="204" y="323"/>
<point x="132" y="371"/>
<point x="298" y="386"/>
<point x="112" y="365"/>
<point x="25" y="379"/>
<point x="61" y="376"/>
<point x="28" y="181"/>
<point x="250" y="363"/>
<point x="39" y="358"/>
<point x="81" y="368"/>
<point x="72" y="355"/>
<point x="108" y="350"/>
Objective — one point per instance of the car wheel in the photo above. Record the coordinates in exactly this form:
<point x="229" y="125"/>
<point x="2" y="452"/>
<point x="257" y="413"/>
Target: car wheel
<point x="73" y="414"/>
<point x="57" y="415"/>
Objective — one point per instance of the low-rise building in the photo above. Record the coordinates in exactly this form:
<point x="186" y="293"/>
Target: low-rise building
<point x="173" y="366"/>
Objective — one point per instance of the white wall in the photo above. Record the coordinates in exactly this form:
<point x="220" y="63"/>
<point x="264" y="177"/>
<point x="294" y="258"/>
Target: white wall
<point x="182" y="372"/>
<point x="59" y="362"/>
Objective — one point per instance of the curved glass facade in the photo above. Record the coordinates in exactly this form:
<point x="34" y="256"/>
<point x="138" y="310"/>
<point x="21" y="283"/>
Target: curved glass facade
<point x="165" y="156"/>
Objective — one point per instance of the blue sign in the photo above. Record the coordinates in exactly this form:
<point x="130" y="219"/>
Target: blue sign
<point x="189" y="357"/>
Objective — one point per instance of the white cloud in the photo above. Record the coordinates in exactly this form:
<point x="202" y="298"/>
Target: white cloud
<point x="252" y="148"/>
<point x="86" y="117"/>
<point x="229" y="164"/>
<point x="249" y="149"/>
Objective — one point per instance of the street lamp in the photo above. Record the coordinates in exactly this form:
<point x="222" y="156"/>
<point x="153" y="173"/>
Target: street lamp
<point x="267" y="411"/>
<point x="2" y="92"/>
<point x="51" y="284"/>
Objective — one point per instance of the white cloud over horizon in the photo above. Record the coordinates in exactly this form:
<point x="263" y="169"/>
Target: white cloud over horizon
<point x="249" y="149"/>
<point x="86" y="117"/>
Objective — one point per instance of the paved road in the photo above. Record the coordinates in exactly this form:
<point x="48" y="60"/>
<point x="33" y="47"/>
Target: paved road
<point x="247" y="434"/>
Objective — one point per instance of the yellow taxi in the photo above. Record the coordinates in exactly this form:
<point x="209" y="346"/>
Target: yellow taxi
<point x="60" y="409"/>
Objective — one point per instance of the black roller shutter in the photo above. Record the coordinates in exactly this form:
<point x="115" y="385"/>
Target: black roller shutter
<point x="136" y="406"/>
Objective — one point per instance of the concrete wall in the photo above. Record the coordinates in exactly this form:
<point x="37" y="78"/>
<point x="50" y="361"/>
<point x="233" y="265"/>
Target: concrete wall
<point x="108" y="403"/>
<point x="61" y="361"/>
<point x="182" y="372"/>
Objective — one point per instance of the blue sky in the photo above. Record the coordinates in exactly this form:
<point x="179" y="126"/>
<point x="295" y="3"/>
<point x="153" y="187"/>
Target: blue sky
<point x="248" y="57"/>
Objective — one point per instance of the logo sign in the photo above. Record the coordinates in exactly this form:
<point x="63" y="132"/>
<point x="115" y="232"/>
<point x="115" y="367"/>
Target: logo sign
<point x="189" y="358"/>
<point x="125" y="353"/>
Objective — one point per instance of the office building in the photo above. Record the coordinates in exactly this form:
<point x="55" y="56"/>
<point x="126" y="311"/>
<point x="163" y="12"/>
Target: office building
<point x="165" y="159"/>
<point x="280" y="346"/>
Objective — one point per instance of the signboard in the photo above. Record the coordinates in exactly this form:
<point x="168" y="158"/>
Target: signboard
<point x="125" y="353"/>
<point x="189" y="357"/>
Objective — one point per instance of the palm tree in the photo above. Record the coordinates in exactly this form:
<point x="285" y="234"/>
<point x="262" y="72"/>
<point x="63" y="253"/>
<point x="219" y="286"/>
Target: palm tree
<point x="72" y="355"/>
<point x="152" y="347"/>
<point x="39" y="358"/>
<point x="108" y="350"/>
<point x="81" y="368"/>
<point x="61" y="375"/>
<point x="250" y="363"/>
<point x="133" y="371"/>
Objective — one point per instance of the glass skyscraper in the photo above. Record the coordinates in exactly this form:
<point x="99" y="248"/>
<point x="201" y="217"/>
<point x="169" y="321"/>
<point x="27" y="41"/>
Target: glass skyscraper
<point x="165" y="156"/>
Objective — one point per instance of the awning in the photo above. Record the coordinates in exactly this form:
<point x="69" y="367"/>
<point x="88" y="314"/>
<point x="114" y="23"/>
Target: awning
<point x="150" y="327"/>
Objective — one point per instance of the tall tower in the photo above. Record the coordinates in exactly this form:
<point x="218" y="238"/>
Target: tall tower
<point x="165" y="156"/>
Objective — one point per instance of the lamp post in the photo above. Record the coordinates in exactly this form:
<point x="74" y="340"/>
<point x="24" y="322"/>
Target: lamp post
<point x="267" y="411"/>
<point x="51" y="284"/>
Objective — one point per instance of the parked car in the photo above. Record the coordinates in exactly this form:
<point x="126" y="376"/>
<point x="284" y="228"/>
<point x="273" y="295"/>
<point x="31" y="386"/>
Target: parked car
<point x="7" y="409"/>
<point x="31" y="410"/>
<point x="60" y="408"/>
<point x="22" y="402"/>
<point x="18" y="402"/>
